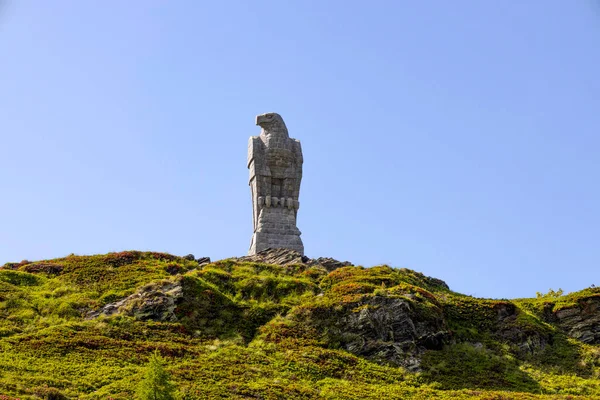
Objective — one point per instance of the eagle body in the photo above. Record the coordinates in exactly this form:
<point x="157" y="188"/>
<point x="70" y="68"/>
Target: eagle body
<point x="275" y="166"/>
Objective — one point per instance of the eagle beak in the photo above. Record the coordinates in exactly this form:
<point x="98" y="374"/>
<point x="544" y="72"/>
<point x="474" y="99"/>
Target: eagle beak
<point x="259" y="119"/>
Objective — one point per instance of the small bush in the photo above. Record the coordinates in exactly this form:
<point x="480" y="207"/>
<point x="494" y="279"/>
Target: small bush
<point x="156" y="384"/>
<point x="49" y="393"/>
<point x="18" y="278"/>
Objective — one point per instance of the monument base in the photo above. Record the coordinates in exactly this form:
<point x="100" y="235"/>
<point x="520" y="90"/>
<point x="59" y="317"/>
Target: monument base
<point x="276" y="228"/>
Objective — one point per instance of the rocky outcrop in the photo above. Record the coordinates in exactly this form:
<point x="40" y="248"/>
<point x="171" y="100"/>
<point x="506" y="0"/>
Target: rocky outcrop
<point x="383" y="329"/>
<point x="580" y="321"/>
<point x="329" y="263"/>
<point x="291" y="257"/>
<point x="156" y="301"/>
<point x="391" y="330"/>
<point x="525" y="339"/>
<point x="203" y="260"/>
<point x="276" y="256"/>
<point x="200" y="261"/>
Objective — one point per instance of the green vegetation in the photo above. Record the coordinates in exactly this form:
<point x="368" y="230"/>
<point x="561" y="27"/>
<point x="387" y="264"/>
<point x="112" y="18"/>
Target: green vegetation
<point x="156" y="384"/>
<point x="249" y="330"/>
<point x="555" y="301"/>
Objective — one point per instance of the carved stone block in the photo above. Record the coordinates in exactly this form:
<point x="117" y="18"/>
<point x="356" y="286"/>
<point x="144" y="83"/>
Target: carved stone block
<point x="275" y="165"/>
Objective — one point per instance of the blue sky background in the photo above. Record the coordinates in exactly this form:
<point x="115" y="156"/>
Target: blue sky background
<point x="460" y="139"/>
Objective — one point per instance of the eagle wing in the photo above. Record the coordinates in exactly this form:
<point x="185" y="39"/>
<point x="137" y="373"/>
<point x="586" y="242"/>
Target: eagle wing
<point x="256" y="160"/>
<point x="299" y="160"/>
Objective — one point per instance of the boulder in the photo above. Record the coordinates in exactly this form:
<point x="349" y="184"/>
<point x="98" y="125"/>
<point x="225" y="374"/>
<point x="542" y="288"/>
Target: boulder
<point x="203" y="260"/>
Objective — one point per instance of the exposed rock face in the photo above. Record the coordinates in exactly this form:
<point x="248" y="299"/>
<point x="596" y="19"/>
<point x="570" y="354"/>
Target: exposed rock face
<point x="156" y="301"/>
<point x="275" y="164"/>
<point x="527" y="341"/>
<point x="380" y="328"/>
<point x="581" y="321"/>
<point x="389" y="329"/>
<point x="288" y="257"/>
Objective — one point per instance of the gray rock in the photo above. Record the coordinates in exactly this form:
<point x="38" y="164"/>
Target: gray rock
<point x="156" y="301"/>
<point x="581" y="321"/>
<point x="380" y="328"/>
<point x="330" y="264"/>
<point x="278" y="256"/>
<point x="525" y="341"/>
<point x="189" y="257"/>
<point x="282" y="256"/>
<point x="203" y="260"/>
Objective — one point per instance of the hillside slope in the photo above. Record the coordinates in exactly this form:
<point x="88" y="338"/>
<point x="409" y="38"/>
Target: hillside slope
<point x="84" y="327"/>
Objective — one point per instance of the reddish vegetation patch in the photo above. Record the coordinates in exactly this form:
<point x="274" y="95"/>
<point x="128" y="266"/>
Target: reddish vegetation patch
<point x="122" y="258"/>
<point x="12" y="265"/>
<point x="280" y="331"/>
<point x="164" y="256"/>
<point x="353" y="288"/>
<point x="47" y="392"/>
<point x="429" y="296"/>
<point x="174" y="269"/>
<point x="342" y="274"/>
<point x="405" y="288"/>
<point x="48" y="268"/>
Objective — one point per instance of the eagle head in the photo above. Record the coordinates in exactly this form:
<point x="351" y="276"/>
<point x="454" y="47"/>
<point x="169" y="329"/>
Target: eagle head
<point x="271" y="123"/>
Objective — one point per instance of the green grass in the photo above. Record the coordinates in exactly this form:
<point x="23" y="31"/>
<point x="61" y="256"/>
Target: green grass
<point x="248" y="330"/>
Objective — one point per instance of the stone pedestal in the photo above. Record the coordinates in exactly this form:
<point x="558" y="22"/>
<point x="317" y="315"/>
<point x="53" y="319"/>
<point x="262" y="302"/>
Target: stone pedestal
<point x="276" y="229"/>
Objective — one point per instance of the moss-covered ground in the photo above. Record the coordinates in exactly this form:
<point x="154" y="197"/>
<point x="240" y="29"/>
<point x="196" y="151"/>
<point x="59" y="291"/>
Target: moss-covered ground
<point x="233" y="337"/>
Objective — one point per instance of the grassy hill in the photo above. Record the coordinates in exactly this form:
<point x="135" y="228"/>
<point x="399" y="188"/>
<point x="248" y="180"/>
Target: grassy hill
<point x="83" y="327"/>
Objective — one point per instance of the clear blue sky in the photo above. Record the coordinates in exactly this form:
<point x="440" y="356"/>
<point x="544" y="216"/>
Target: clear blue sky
<point x="456" y="138"/>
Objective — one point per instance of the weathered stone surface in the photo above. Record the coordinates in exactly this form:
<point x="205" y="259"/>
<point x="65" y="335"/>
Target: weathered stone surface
<point x="276" y="256"/>
<point x="526" y="340"/>
<point x="581" y="321"/>
<point x="203" y="260"/>
<point x="380" y="328"/>
<point x="283" y="256"/>
<point x="275" y="164"/>
<point x="156" y="301"/>
<point x="389" y="329"/>
<point x="329" y="263"/>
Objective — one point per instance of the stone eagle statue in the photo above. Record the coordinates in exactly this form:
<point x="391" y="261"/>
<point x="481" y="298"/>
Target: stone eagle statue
<point x="275" y="164"/>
